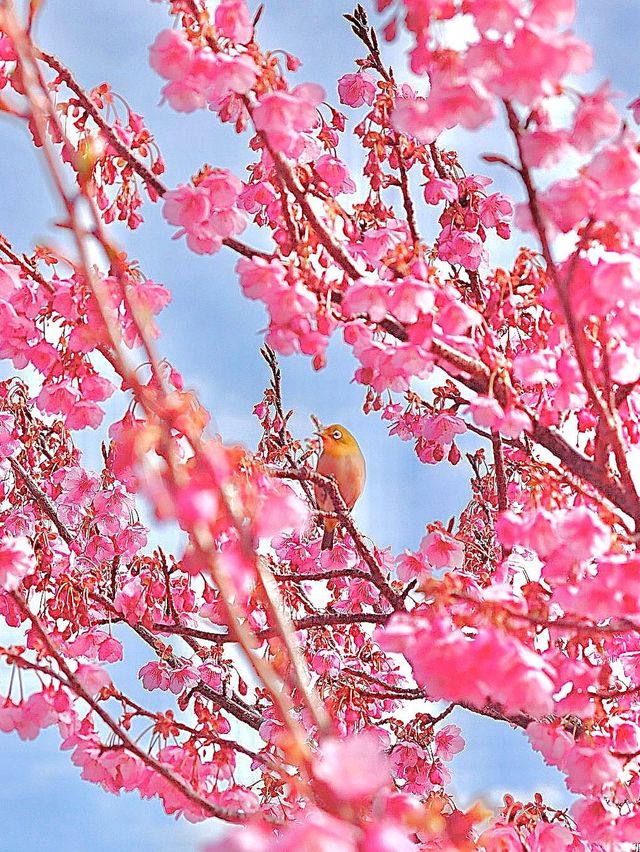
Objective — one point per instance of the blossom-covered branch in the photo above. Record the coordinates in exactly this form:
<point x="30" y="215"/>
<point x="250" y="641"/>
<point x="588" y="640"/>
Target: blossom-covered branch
<point x="343" y="665"/>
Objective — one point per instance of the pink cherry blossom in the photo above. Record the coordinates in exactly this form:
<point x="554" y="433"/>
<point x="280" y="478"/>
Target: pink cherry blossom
<point x="550" y="837"/>
<point x="386" y="837"/>
<point x="626" y="738"/>
<point x="233" y="21"/>
<point x="495" y="210"/>
<point x="283" y="116"/>
<point x="8" y="444"/>
<point x="129" y="600"/>
<point x="412" y="565"/>
<point x="93" y="678"/>
<point x="553" y="13"/>
<point x="488" y="412"/>
<point x="544" y="148"/>
<point x="500" y="838"/>
<point x="412" y="116"/>
<point x="449" y="742"/>
<point x="357" y="89"/>
<point x="589" y="770"/>
<point x="198" y="76"/>
<point x="354" y="769"/>
<point x="368" y="296"/>
<point x="438" y="189"/>
<point x="79" y="486"/>
<point x="595" y="120"/>
<point x="532" y="65"/>
<point x="552" y="740"/>
<point x="320" y="832"/>
<point x="442" y="550"/>
<point x="494" y="14"/>
<point x="17" y="561"/>
<point x="281" y="509"/>
<point x="616" y="167"/>
<point x="335" y="175"/>
<point x="443" y="428"/>
<point x="206" y="213"/>
<point x="489" y="666"/>
<point x="171" y="55"/>
<point x="463" y="247"/>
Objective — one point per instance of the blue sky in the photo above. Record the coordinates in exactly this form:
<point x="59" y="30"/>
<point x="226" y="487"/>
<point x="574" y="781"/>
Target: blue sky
<point x="212" y="335"/>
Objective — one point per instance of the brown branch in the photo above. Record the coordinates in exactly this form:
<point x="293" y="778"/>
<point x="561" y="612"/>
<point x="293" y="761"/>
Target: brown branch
<point x="333" y="248"/>
<point x="230" y="702"/>
<point x="475" y="375"/>
<point x="299" y="669"/>
<point x="407" y="202"/>
<point x="323" y="575"/>
<point x="206" y="735"/>
<point x="271" y="359"/>
<point x="308" y="622"/>
<point x="607" y="415"/>
<point x="245" y="250"/>
<point x="23" y="263"/>
<point x="42" y="500"/>
<point x="617" y="626"/>
<point x="187" y="791"/>
<point x="369" y="38"/>
<point x="138" y="166"/>
<point x="91" y="109"/>
<point x="407" y="692"/>
<point x="437" y="162"/>
<point x="171" y="609"/>
<point x="329" y="484"/>
<point x="494" y="711"/>
<point x="499" y="470"/>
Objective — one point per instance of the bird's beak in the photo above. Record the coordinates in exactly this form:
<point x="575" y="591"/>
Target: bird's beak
<point x="319" y="430"/>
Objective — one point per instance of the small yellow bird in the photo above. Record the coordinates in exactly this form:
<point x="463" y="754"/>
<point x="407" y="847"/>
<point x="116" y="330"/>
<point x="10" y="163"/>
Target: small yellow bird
<point x="341" y="458"/>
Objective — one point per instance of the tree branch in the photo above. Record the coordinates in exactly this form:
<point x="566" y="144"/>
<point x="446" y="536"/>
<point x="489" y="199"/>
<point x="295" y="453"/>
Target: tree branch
<point x="42" y="500"/>
<point x="328" y="619"/>
<point x="138" y="166"/>
<point x="328" y="483"/>
<point x="168" y="774"/>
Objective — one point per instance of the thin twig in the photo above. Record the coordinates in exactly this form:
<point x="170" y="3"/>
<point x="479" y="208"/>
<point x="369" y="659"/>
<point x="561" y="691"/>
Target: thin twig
<point x="42" y="500"/>
<point x="499" y="470"/>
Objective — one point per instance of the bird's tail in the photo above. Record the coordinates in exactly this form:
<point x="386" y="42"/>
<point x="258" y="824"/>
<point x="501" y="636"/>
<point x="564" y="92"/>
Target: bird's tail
<point x="327" y="537"/>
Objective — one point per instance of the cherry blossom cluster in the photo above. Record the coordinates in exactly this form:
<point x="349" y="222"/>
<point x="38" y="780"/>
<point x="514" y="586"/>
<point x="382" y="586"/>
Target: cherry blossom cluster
<point x="52" y="325"/>
<point x="102" y="127"/>
<point x="206" y="212"/>
<point x="98" y="156"/>
<point x="197" y="75"/>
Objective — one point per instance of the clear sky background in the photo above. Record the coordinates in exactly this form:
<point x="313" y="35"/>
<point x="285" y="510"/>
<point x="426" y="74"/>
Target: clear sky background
<point x="211" y="333"/>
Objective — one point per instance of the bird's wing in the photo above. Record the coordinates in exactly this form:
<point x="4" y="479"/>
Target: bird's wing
<point x="324" y="467"/>
<point x="349" y="473"/>
<point x="351" y="478"/>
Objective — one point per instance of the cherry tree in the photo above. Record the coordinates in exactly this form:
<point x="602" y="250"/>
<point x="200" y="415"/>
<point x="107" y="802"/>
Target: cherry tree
<point x="306" y="693"/>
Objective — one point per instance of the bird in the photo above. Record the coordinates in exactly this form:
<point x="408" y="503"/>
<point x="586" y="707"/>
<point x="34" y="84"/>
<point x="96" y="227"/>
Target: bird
<point x="341" y="458"/>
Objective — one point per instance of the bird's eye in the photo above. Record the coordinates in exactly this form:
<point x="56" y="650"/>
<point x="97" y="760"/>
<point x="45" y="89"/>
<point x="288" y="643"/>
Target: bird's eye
<point x="336" y="434"/>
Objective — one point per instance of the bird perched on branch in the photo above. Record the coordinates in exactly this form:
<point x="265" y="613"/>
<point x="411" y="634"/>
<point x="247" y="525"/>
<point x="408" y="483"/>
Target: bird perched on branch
<point x="342" y="459"/>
